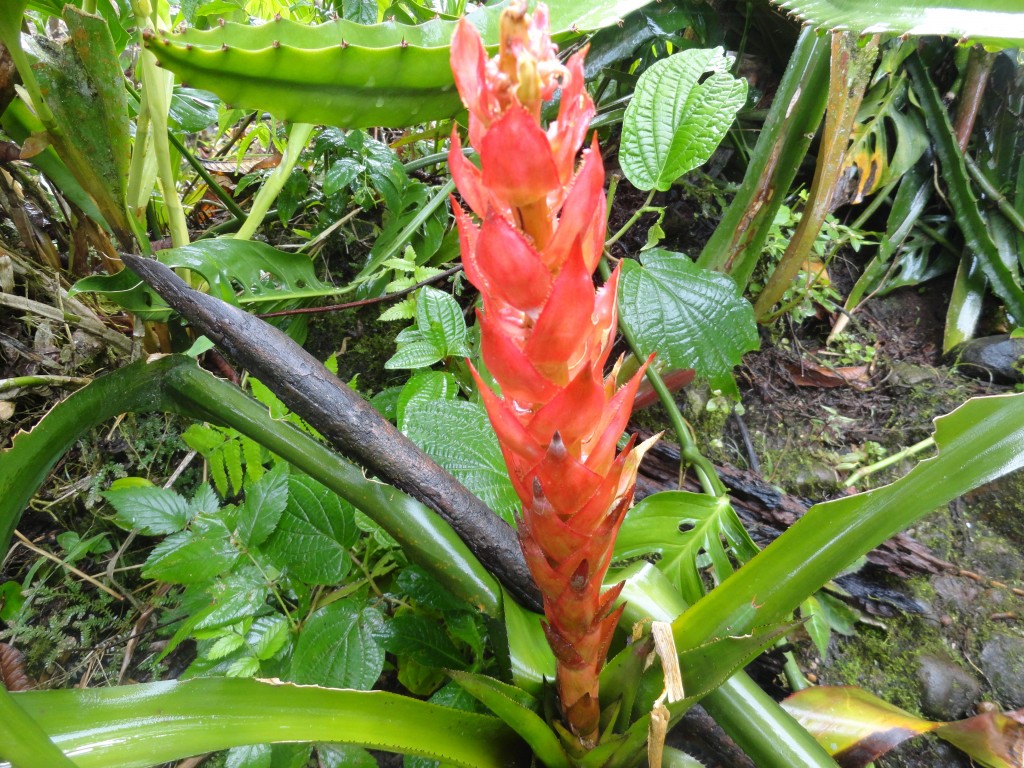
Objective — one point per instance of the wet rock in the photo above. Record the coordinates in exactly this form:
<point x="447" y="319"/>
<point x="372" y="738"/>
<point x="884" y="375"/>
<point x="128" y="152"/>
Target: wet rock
<point x="993" y="358"/>
<point x="906" y="374"/>
<point x="955" y="594"/>
<point x="948" y="691"/>
<point x="1002" y="661"/>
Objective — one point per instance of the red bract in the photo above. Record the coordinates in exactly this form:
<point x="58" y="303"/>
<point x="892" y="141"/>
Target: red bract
<point x="546" y="333"/>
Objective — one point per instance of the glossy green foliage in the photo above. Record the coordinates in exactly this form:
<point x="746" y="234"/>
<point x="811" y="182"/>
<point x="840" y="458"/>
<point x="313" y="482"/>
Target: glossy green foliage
<point x="440" y="332"/>
<point x="144" y="725"/>
<point x="246" y="273"/>
<point x="692" y="317"/>
<point x="458" y="436"/>
<point x="679" y="527"/>
<point x="347" y="74"/>
<point x="679" y="113"/>
<point x="995" y="23"/>
<point x="978" y="442"/>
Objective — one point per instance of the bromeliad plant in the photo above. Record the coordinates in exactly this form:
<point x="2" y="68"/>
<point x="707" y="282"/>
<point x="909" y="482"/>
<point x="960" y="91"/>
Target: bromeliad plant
<point x="546" y="339"/>
<point x="546" y="334"/>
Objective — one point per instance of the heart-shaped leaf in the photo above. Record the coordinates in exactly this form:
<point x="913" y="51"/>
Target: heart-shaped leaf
<point x="676" y="119"/>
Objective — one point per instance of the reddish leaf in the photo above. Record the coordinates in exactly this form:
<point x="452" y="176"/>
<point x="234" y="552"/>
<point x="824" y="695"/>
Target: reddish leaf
<point x="857" y="728"/>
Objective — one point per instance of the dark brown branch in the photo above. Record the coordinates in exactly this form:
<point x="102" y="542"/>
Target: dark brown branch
<point x="347" y="421"/>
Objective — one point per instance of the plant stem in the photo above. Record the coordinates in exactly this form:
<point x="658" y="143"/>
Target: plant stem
<point x="157" y="83"/>
<point x="272" y="187"/>
<point x="1005" y="206"/>
<point x="688" y="450"/>
<point x="851" y="67"/>
<point x="407" y="232"/>
<point x="18" y="382"/>
<point x="27" y="543"/>
<point x="211" y="183"/>
<point x="888" y="461"/>
<point x="645" y="208"/>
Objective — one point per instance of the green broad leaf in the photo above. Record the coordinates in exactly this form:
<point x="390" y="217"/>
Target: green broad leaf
<point x="519" y="711"/>
<point x="204" y="502"/>
<point x="245" y="273"/>
<point x="192" y="556"/>
<point x="426" y="592"/>
<point x="153" y="511"/>
<point x="344" y="755"/>
<point x="265" y="502"/>
<point x="390" y="74"/>
<point x="337" y="647"/>
<point x="246" y="666"/>
<point x="254" y="756"/>
<point x="682" y="527"/>
<point x="235" y="597"/>
<point x="268" y="635"/>
<point x="314" y="533"/>
<point x="425" y="386"/>
<point x="679" y="114"/>
<point x="415" y="354"/>
<point x="225" y="646"/>
<point x="191" y="110"/>
<point x="458" y="436"/>
<point x="439" y="318"/>
<point x="690" y="316"/>
<point x="419" y="679"/>
<point x="421" y="637"/>
<point x="994" y="23"/>
<point x="127" y="725"/>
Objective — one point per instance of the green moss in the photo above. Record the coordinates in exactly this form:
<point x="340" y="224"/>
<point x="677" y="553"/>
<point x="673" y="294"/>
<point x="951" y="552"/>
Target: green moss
<point x="883" y="661"/>
<point x="363" y="344"/>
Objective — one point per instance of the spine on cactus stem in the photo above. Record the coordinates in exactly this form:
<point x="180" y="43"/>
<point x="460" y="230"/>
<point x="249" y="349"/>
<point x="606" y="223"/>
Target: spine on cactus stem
<point x="546" y="333"/>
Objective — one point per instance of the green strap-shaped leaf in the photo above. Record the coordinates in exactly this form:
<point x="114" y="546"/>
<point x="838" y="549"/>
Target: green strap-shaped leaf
<point x="978" y="442"/>
<point x="348" y="74"/>
<point x="143" y="725"/>
<point x="676" y="120"/>
<point x="692" y="317"/>
<point x="994" y="23"/>
<point x="962" y="200"/>
<point x="519" y="710"/>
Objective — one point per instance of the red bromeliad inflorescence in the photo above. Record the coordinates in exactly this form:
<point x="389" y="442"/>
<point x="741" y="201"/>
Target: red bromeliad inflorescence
<point x="546" y="333"/>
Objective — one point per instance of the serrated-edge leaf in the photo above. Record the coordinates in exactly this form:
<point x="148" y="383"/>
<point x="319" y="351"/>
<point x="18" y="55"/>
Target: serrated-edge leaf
<point x="674" y="122"/>
<point x="691" y="317"/>
<point x="337" y="648"/>
<point x="314" y="533"/>
<point x="458" y="435"/>
<point x="415" y="354"/>
<point x="154" y="511"/>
